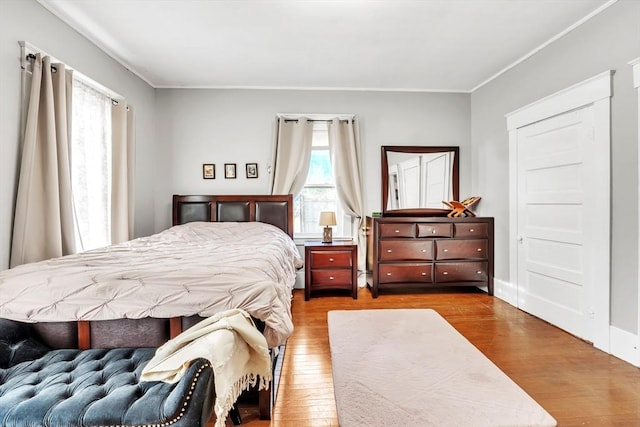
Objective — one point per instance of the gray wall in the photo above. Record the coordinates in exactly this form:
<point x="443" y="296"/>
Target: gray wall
<point x="236" y="126"/>
<point x="608" y="41"/>
<point x="27" y="20"/>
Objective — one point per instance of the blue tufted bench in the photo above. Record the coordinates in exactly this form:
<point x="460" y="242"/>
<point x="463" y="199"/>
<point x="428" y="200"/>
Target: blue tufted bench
<point x="96" y="387"/>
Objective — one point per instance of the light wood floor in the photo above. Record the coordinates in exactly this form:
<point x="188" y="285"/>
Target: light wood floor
<point x="577" y="384"/>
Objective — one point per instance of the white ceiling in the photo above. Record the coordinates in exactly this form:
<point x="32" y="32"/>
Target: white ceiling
<point x="428" y="45"/>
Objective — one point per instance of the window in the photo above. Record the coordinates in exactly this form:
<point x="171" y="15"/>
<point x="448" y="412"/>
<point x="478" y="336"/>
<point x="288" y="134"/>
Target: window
<point x="319" y="191"/>
<point x="91" y="166"/>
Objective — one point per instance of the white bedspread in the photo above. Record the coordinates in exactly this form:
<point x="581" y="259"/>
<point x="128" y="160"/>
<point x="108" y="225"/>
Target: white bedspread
<point x="195" y="268"/>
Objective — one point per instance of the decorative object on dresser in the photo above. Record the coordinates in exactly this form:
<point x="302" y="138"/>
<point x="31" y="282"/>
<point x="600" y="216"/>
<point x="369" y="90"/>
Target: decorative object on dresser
<point x="462" y="208"/>
<point x="424" y="252"/>
<point x="331" y="267"/>
<point x="328" y="219"/>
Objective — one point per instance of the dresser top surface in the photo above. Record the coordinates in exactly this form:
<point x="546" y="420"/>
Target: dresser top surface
<point x="400" y="219"/>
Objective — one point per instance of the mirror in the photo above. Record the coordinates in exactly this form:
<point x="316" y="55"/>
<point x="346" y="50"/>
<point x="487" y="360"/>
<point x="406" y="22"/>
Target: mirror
<point x="415" y="180"/>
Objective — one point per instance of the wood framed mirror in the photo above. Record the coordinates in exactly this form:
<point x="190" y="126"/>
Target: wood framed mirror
<point x="416" y="179"/>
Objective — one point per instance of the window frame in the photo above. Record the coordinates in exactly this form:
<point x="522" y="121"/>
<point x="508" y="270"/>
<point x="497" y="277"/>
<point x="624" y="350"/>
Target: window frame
<point x="345" y="226"/>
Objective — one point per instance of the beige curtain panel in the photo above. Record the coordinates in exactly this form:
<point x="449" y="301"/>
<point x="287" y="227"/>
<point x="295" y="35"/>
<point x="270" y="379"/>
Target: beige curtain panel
<point x="43" y="221"/>
<point x="292" y="153"/>
<point x="344" y="146"/>
<point x="122" y="167"/>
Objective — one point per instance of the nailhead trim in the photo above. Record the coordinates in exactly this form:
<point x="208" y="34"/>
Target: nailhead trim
<point x="182" y="410"/>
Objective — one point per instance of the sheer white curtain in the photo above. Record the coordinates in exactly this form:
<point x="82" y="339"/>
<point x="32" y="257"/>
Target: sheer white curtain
<point x="291" y="155"/>
<point x="91" y="170"/>
<point x="344" y="145"/>
<point x="43" y="221"/>
<point x="102" y="168"/>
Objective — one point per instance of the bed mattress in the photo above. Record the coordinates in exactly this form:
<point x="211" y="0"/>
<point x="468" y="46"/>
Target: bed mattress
<point x="196" y="268"/>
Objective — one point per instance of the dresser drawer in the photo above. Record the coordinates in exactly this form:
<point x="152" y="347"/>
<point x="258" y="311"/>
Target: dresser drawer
<point x="397" y="230"/>
<point x="461" y="249"/>
<point x="461" y="272"/>
<point x="329" y="278"/>
<point x="330" y="259"/>
<point x="471" y="229"/>
<point x="398" y="273"/>
<point x="394" y="250"/>
<point x="435" y="229"/>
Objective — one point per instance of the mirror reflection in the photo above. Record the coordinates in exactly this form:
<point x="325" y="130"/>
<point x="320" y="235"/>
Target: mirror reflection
<point x="419" y="179"/>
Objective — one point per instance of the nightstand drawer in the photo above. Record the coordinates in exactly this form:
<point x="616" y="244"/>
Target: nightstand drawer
<point x="338" y="278"/>
<point x="330" y="259"/>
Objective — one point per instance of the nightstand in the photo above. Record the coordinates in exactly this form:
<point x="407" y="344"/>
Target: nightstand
<point x="331" y="266"/>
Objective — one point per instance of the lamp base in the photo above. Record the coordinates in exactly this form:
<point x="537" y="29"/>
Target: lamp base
<point x="327" y="235"/>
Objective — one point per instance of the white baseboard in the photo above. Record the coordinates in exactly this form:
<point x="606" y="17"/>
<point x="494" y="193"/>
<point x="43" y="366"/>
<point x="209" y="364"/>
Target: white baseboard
<point x="299" y="280"/>
<point x="624" y="345"/>
<point x="505" y="291"/>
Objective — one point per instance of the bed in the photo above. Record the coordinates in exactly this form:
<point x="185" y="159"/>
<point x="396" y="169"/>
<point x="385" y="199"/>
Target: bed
<point x="194" y="275"/>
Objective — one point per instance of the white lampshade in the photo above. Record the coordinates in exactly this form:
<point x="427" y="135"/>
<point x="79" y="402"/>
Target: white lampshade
<point x="327" y="219"/>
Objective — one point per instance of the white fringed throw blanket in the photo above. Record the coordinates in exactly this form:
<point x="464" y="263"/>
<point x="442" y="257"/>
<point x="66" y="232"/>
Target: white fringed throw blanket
<point x="237" y="351"/>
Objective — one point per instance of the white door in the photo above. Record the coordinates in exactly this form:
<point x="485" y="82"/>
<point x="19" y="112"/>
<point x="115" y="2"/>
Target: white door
<point x="437" y="177"/>
<point x="556" y="169"/>
<point x="409" y="177"/>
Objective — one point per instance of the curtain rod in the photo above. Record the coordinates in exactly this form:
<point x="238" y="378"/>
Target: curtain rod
<point x="31" y="57"/>
<point x="315" y="120"/>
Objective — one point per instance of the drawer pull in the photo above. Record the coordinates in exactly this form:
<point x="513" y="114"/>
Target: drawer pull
<point x="445" y="273"/>
<point x="433" y="231"/>
<point x="424" y="274"/>
<point x="397" y="231"/>
<point x="471" y="230"/>
<point x="446" y="250"/>
<point x="330" y="277"/>
<point x="388" y="274"/>
<point x="424" y="250"/>
<point x="330" y="259"/>
<point x="479" y="272"/>
<point x="479" y="249"/>
<point x="389" y="251"/>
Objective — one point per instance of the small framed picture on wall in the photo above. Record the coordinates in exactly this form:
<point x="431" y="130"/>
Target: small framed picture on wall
<point x="252" y="170"/>
<point x="209" y="171"/>
<point x="230" y="170"/>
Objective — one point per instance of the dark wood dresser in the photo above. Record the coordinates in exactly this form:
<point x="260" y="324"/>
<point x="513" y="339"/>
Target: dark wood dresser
<point x="422" y="252"/>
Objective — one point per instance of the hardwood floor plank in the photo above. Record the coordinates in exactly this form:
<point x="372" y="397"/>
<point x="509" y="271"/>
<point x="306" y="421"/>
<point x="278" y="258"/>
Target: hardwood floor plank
<point x="576" y="383"/>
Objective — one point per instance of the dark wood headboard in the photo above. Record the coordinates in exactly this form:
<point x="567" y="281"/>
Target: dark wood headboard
<point x="275" y="210"/>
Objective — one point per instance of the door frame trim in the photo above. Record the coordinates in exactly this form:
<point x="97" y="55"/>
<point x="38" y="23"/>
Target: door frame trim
<point x="636" y="84"/>
<point x="597" y="91"/>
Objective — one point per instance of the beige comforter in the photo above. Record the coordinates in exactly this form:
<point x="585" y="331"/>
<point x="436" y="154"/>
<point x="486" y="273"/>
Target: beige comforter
<point x="195" y="268"/>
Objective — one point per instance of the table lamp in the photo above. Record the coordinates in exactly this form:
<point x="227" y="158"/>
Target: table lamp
<point x="328" y="219"/>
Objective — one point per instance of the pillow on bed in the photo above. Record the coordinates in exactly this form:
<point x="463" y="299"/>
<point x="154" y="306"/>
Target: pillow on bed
<point x="18" y="343"/>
